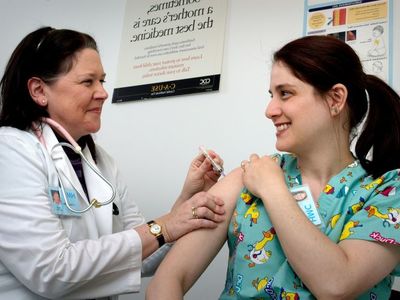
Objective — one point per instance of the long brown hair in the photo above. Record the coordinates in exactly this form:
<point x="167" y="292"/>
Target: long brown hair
<point x="323" y="61"/>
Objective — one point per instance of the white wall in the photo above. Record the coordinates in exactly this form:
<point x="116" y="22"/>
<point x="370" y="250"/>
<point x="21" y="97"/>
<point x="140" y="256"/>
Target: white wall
<point x="154" y="141"/>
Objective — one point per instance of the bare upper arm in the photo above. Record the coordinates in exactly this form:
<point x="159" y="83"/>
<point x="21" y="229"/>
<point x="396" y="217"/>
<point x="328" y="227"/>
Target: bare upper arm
<point x="228" y="189"/>
<point x="180" y="263"/>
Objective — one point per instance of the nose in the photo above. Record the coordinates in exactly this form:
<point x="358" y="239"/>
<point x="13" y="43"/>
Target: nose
<point x="273" y="109"/>
<point x="101" y="92"/>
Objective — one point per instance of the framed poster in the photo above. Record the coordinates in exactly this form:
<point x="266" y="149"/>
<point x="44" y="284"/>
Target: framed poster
<point x="366" y="25"/>
<point x="170" y="48"/>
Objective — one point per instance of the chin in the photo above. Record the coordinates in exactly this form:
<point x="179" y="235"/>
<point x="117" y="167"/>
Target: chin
<point x="279" y="147"/>
<point x="282" y="147"/>
<point x="90" y="131"/>
<point x="94" y="127"/>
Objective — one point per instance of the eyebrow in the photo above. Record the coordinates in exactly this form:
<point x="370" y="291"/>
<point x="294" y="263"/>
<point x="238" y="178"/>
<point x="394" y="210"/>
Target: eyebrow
<point x="283" y="86"/>
<point x="92" y="74"/>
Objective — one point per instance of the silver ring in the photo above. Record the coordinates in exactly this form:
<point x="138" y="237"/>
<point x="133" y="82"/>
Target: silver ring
<point x="243" y="164"/>
<point x="194" y="214"/>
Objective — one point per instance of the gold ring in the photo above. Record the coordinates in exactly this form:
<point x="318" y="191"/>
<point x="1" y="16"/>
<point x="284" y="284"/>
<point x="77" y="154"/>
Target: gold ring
<point x="194" y="214"/>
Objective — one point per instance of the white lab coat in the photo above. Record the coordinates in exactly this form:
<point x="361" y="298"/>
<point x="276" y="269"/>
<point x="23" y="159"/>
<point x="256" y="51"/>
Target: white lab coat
<point x="42" y="255"/>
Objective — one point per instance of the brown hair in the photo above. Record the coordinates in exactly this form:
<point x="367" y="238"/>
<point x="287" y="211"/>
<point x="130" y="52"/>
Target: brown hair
<point x="323" y="61"/>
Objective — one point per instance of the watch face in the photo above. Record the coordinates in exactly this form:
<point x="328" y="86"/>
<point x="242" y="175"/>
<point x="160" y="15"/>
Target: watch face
<point x="155" y="229"/>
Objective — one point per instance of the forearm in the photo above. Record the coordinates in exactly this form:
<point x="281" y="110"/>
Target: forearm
<point x="55" y="270"/>
<point x="314" y="258"/>
<point x="166" y="285"/>
<point x="181" y="198"/>
<point x="328" y="269"/>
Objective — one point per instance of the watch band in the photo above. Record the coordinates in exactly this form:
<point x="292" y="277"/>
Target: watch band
<point x="156" y="230"/>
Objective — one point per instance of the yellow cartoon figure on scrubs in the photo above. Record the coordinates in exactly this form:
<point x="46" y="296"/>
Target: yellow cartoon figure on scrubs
<point x="257" y="253"/>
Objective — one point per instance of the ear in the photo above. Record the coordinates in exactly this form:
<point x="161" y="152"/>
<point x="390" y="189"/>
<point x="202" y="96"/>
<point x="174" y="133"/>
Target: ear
<point x="337" y="98"/>
<point x="36" y="90"/>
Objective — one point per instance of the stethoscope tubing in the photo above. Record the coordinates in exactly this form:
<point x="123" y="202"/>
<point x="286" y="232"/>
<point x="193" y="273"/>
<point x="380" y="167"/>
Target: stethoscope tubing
<point x="75" y="147"/>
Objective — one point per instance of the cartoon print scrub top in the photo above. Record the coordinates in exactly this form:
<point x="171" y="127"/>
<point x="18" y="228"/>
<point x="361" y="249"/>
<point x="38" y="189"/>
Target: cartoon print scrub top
<point x="353" y="205"/>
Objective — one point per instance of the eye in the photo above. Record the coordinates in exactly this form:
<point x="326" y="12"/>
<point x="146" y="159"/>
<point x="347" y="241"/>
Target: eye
<point x="87" y="82"/>
<point x="285" y="94"/>
<point x="102" y="81"/>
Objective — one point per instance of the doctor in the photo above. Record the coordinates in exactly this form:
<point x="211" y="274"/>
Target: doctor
<point x="68" y="228"/>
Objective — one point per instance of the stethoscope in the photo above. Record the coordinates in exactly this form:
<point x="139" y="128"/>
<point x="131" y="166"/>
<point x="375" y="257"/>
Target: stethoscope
<point x="75" y="147"/>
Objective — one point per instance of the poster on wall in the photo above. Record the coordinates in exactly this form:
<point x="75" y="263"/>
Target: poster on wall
<point x="366" y="25"/>
<point x="170" y="48"/>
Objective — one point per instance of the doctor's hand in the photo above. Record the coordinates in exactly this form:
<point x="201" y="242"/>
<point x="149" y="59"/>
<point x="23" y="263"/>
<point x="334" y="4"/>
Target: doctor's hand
<point x="201" y="176"/>
<point x="203" y="210"/>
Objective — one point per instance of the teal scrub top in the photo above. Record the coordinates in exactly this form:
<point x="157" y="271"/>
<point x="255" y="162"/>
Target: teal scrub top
<point x="353" y="205"/>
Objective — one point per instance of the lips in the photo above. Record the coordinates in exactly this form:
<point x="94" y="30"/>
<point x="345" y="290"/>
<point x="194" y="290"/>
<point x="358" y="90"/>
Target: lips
<point x="95" y="110"/>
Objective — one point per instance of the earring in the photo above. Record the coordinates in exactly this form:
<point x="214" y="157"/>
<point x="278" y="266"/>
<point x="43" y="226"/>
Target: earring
<point x="335" y="110"/>
<point x="43" y="101"/>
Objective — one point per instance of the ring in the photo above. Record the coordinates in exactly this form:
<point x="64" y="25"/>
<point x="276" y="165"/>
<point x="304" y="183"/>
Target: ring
<point x="194" y="214"/>
<point x="243" y="164"/>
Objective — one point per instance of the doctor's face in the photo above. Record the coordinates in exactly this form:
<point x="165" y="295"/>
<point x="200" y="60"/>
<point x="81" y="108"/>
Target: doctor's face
<point x="76" y="98"/>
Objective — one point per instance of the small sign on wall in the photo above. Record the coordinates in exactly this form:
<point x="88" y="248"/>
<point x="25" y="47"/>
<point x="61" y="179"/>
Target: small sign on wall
<point x="170" y="48"/>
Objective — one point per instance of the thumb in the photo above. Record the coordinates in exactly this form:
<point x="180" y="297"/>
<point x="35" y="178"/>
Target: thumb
<point x="205" y="166"/>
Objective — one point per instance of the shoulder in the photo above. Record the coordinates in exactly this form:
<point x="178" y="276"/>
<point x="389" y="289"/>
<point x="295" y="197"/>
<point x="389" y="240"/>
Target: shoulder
<point x="232" y="180"/>
<point x="383" y="184"/>
<point x="233" y="177"/>
<point x="19" y="140"/>
<point x="376" y="216"/>
<point x="103" y="157"/>
<point x="361" y="188"/>
<point x="22" y="153"/>
<point x="14" y="133"/>
<point x="228" y="188"/>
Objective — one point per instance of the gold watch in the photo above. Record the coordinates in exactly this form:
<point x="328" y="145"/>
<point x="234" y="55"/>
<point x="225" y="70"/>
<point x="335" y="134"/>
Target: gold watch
<point x="156" y="230"/>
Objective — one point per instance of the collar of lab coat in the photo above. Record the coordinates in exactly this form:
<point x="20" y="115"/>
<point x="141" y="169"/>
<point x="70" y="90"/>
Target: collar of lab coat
<point x="96" y="187"/>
